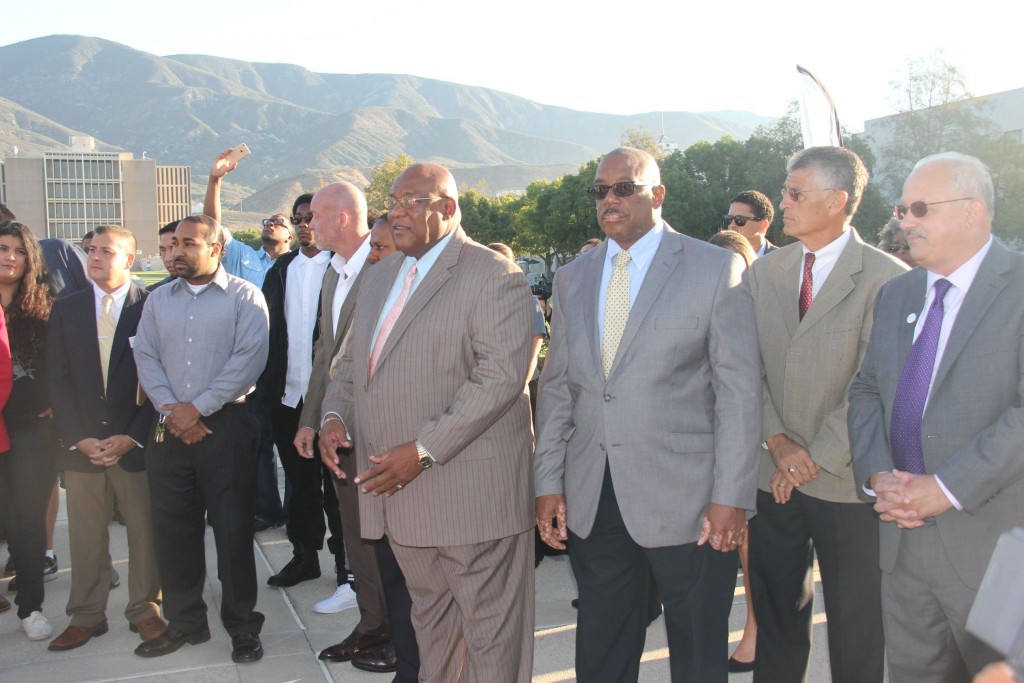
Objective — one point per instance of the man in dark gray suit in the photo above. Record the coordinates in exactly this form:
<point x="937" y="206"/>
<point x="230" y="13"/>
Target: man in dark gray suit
<point x="648" y="428"/>
<point x="936" y="422"/>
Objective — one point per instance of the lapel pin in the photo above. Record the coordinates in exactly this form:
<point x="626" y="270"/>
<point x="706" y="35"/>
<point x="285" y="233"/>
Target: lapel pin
<point x="912" y="318"/>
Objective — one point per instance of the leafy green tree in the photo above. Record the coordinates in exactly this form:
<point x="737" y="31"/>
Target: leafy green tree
<point x="644" y="139"/>
<point x="384" y="175"/>
<point x="254" y="238"/>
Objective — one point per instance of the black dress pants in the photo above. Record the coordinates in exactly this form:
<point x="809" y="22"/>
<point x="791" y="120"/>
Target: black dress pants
<point x="399" y="604"/>
<point x="784" y="538"/>
<point x="217" y="478"/>
<point x="696" y="585"/>
<point x="312" y="492"/>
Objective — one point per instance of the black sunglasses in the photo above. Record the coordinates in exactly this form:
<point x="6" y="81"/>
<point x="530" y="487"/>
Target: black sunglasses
<point x="897" y="247"/>
<point x="920" y="209"/>
<point x="623" y="189"/>
<point x="267" y="222"/>
<point x="728" y="220"/>
<point x="299" y="220"/>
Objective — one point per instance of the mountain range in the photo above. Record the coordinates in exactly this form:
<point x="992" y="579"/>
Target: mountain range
<point x="303" y="128"/>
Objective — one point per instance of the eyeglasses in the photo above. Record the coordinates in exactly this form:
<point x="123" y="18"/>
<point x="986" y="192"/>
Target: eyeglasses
<point x="920" y="209"/>
<point x="623" y="189"/>
<point x="280" y="222"/>
<point x="728" y="220"/>
<point x="299" y="220"/>
<point x="897" y="247"/>
<point x="409" y="202"/>
<point x="794" y="195"/>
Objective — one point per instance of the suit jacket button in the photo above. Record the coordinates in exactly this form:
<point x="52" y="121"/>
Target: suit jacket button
<point x="607" y="397"/>
<point x="104" y="423"/>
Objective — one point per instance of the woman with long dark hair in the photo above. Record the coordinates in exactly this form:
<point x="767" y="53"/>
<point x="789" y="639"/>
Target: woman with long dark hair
<point x="28" y="469"/>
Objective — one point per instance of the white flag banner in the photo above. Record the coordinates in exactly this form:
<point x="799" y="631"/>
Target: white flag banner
<point x="818" y="119"/>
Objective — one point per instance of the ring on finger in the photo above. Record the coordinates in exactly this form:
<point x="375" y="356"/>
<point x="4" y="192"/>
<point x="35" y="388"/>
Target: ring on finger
<point x="399" y="487"/>
<point x="792" y="468"/>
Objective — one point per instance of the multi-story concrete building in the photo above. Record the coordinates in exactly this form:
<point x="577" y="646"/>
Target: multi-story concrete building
<point x="68" y="193"/>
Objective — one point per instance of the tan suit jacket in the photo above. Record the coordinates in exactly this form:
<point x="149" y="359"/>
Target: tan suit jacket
<point x="453" y="375"/>
<point x="330" y="344"/>
<point x="809" y="363"/>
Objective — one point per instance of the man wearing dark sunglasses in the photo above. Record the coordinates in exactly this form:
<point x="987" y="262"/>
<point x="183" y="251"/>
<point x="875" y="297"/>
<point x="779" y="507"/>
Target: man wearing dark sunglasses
<point x="813" y="302"/>
<point x="648" y="422"/>
<point x="935" y="418"/>
<point x="750" y="214"/>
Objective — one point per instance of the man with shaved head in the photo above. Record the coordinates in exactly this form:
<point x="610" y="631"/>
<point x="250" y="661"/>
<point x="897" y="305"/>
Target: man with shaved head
<point x="431" y="392"/>
<point x="647" y="432"/>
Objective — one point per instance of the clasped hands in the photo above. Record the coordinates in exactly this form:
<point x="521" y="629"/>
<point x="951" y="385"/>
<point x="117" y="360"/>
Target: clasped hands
<point x="793" y="467"/>
<point x="184" y="422"/>
<point x="392" y="471"/>
<point x="105" y="452"/>
<point x="907" y="499"/>
<point x="723" y="526"/>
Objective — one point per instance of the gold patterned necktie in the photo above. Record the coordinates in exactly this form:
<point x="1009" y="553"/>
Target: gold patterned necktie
<point x="616" y="310"/>
<point x="105" y="328"/>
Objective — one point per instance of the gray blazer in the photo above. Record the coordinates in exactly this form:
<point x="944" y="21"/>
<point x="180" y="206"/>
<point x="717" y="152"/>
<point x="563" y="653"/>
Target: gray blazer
<point x="809" y="363"/>
<point x="453" y="375"/>
<point x="330" y="344"/>
<point x="678" y="420"/>
<point x="973" y="424"/>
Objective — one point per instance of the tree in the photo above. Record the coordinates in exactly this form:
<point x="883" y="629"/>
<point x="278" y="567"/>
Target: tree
<point x="937" y="113"/>
<point x="642" y="138"/>
<point x="384" y="175"/>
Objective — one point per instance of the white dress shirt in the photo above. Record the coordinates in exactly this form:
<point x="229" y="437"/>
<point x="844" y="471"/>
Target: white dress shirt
<point x="642" y="254"/>
<point x="348" y="270"/>
<point x="301" y="297"/>
<point x="824" y="261"/>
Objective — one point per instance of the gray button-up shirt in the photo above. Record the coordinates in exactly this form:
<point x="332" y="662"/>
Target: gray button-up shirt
<point x="207" y="349"/>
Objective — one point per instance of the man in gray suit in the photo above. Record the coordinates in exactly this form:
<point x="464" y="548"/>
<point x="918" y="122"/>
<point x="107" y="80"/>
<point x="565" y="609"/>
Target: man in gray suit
<point x="813" y="303"/>
<point x="936" y="421"/>
<point x="648" y="424"/>
<point x="432" y="385"/>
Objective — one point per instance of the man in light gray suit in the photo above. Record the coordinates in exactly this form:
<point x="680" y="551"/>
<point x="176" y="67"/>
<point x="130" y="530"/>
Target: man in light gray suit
<point x="432" y="386"/>
<point x="648" y="424"/>
<point x="936" y="421"/>
<point x="813" y="303"/>
<point x="339" y="224"/>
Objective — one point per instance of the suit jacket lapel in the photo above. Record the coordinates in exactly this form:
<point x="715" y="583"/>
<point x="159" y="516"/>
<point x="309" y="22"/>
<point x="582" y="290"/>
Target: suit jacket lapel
<point x="327" y="288"/>
<point x="590" y="299"/>
<point x="666" y="259"/>
<point x="985" y="289"/>
<point x="131" y="312"/>
<point x="837" y="285"/>
<point x="439" y="274"/>
<point x="347" y="307"/>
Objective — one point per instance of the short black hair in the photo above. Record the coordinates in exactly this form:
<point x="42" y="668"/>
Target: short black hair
<point x="306" y="198"/>
<point x="170" y="227"/>
<point x="118" y="231"/>
<point x="759" y="204"/>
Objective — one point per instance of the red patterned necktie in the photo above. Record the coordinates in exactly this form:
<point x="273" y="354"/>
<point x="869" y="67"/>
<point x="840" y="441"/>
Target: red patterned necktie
<point x="806" y="285"/>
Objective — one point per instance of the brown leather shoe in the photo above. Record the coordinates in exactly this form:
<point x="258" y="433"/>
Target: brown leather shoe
<point x="76" y="636"/>
<point x="378" y="659"/>
<point x="150" y="628"/>
<point x="351" y="646"/>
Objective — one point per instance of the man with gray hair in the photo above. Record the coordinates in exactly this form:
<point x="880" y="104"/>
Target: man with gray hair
<point x="201" y="345"/>
<point x="813" y="304"/>
<point x="936" y="420"/>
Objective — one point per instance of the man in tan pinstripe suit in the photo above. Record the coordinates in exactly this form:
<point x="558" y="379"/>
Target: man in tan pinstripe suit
<point x="813" y="302"/>
<point x="432" y="388"/>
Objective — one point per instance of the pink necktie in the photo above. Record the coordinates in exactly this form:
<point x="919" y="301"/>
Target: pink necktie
<point x="392" y="318"/>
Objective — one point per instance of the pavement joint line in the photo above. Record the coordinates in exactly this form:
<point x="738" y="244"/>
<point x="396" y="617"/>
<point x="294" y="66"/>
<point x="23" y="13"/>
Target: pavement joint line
<point x="295" y="615"/>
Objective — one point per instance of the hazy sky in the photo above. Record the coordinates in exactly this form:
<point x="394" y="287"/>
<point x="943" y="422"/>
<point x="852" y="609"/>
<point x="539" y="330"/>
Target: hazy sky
<point x="616" y="57"/>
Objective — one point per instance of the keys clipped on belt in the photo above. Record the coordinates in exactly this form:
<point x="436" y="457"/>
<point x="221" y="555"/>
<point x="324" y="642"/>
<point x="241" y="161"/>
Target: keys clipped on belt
<point x="158" y="433"/>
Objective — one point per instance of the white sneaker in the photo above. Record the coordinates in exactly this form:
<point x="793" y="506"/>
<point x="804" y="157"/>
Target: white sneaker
<point x="36" y="626"/>
<point x="344" y="598"/>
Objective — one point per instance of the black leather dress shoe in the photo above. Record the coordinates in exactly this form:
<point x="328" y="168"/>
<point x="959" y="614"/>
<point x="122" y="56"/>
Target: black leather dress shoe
<point x="300" y="568"/>
<point x="170" y="641"/>
<point x="738" y="667"/>
<point x="351" y="646"/>
<point x="377" y="659"/>
<point x="246" y="648"/>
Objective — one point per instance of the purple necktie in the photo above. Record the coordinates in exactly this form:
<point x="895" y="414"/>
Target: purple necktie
<point x="912" y="391"/>
<point x="806" y="285"/>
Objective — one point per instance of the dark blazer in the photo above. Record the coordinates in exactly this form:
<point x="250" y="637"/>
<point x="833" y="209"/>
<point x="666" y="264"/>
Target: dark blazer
<point x="80" y="406"/>
<point x="768" y="247"/>
<point x="66" y="263"/>
<point x="270" y="386"/>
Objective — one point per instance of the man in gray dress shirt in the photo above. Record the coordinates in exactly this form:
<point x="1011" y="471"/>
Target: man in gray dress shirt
<point x="201" y="344"/>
